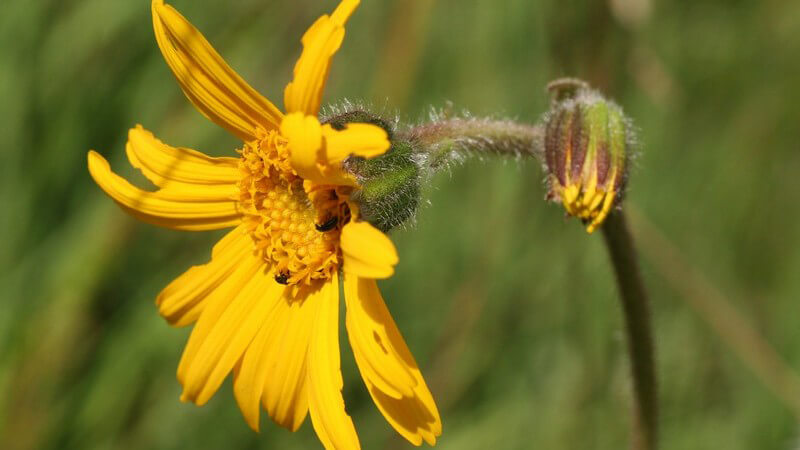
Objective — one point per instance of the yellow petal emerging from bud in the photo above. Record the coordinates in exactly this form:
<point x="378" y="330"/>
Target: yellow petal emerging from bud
<point x="587" y="139"/>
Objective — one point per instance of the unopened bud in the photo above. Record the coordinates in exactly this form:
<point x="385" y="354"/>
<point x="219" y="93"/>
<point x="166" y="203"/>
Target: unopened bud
<point x="389" y="184"/>
<point x="587" y="141"/>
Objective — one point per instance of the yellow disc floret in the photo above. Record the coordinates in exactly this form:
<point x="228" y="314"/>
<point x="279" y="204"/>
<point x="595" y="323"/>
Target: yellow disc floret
<point x="295" y="224"/>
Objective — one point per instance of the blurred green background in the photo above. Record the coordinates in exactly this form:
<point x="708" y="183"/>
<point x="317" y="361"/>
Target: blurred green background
<point x="510" y="308"/>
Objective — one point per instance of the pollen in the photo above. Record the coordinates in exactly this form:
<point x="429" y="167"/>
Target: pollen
<point x="294" y="224"/>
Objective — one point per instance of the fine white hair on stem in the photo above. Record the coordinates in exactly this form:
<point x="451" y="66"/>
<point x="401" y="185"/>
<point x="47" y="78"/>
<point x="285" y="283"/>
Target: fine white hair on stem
<point x="445" y="139"/>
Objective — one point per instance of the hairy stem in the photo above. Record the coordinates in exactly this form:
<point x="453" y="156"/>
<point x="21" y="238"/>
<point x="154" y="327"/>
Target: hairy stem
<point x="448" y="140"/>
<point x="637" y="322"/>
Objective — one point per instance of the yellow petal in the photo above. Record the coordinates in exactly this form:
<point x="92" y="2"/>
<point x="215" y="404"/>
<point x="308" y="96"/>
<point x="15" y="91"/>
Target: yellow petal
<point x="184" y="298"/>
<point x="285" y="389"/>
<point x="386" y="364"/>
<point x="368" y="327"/>
<point x="331" y="422"/>
<point x="367" y="251"/>
<point x="411" y="417"/>
<point x="231" y="335"/>
<point x="247" y="385"/>
<point x="320" y="42"/>
<point x="215" y="89"/>
<point x="273" y="369"/>
<point x="359" y="139"/>
<point x="215" y="305"/>
<point x="304" y="137"/>
<point x="182" y="207"/>
<point x="163" y="164"/>
<point x="343" y="11"/>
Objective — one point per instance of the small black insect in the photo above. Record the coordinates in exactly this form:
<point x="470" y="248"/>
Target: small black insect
<point x="328" y="225"/>
<point x="282" y="278"/>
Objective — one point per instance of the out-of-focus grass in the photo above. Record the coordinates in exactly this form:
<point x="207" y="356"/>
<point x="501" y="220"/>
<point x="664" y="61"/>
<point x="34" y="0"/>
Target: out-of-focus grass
<point x="510" y="309"/>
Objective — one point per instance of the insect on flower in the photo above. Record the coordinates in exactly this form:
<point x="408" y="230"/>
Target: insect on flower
<point x="266" y="306"/>
<point x="328" y="225"/>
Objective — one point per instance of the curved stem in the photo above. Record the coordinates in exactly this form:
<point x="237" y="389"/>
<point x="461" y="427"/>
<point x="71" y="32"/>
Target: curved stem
<point x="446" y="140"/>
<point x="450" y="139"/>
<point x="639" y="333"/>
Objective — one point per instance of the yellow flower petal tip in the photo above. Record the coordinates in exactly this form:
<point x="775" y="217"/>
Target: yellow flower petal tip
<point x="356" y="139"/>
<point x="344" y="11"/>
<point x="368" y="252"/>
<point x="217" y="91"/>
<point x="320" y="43"/>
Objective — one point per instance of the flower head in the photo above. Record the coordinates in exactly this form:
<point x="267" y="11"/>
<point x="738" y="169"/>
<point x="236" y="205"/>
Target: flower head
<point x="587" y="140"/>
<point x="266" y="305"/>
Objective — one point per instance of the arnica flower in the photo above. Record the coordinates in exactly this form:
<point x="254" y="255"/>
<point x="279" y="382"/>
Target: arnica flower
<point x="266" y="306"/>
<point x="587" y="141"/>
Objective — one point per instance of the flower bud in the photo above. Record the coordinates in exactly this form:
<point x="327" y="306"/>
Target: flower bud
<point x="587" y="140"/>
<point x="389" y="184"/>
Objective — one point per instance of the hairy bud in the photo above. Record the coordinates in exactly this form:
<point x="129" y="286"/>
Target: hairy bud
<point x="587" y="145"/>
<point x="390" y="183"/>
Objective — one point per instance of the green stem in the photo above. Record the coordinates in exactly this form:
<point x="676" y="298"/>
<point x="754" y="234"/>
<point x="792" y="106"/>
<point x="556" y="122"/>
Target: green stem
<point x="637" y="324"/>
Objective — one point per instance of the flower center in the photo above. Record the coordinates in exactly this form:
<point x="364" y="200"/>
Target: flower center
<point x="294" y="223"/>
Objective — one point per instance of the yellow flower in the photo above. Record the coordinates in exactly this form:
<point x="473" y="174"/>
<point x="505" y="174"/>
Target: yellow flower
<point x="267" y="303"/>
<point x="587" y="141"/>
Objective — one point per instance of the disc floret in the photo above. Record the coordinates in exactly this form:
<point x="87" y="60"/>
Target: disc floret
<point x="294" y="223"/>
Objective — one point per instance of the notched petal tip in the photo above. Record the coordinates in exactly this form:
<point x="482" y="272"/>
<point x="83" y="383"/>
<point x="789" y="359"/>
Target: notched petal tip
<point x="92" y="157"/>
<point x="386" y="364"/>
<point x="368" y="252"/>
<point x="356" y="139"/>
<point x="193" y="210"/>
<point x="178" y="167"/>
